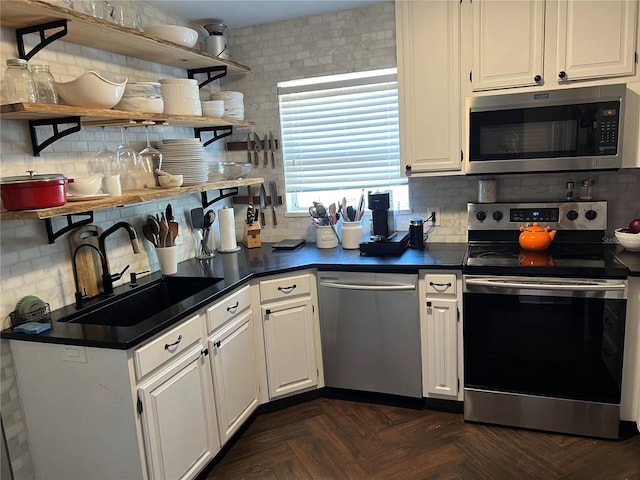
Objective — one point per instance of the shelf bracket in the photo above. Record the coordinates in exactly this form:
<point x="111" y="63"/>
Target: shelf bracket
<point x="57" y="134"/>
<point x="218" y="133"/>
<point x="220" y="69"/>
<point x="224" y="193"/>
<point x="44" y="40"/>
<point x="71" y="224"/>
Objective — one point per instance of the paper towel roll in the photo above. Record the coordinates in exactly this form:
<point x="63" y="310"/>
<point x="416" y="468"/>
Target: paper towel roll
<point x="227" y="230"/>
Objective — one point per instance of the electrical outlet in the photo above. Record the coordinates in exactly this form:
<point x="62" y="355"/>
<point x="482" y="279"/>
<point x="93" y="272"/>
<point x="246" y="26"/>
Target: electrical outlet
<point x="432" y="211"/>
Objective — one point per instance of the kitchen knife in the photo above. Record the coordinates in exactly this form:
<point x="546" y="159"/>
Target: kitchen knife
<point x="263" y="204"/>
<point x="258" y="147"/>
<point x="265" y="146"/>
<point x="249" y="149"/>
<point x="272" y="148"/>
<point x="274" y="200"/>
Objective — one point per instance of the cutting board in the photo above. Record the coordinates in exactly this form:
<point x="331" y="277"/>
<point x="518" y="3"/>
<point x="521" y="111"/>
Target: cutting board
<point x="88" y="261"/>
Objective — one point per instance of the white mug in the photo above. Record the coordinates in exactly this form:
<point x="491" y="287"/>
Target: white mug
<point x="111" y="185"/>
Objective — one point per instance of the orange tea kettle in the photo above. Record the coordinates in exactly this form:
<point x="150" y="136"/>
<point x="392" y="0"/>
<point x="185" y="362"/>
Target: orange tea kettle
<point x="535" y="237"/>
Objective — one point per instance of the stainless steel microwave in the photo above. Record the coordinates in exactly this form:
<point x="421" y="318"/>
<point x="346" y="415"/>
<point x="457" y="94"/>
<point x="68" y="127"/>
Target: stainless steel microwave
<point x="555" y="130"/>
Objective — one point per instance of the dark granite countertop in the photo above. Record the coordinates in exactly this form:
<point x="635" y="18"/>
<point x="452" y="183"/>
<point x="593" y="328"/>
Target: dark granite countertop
<point x="236" y="269"/>
<point x="630" y="259"/>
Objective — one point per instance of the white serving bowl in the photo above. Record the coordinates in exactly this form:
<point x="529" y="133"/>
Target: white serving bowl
<point x="170" y="181"/>
<point x="173" y="33"/>
<point x="141" y="104"/>
<point x="84" y="186"/>
<point x="91" y="90"/>
<point x="630" y="241"/>
<point x="182" y="106"/>
<point x="213" y="108"/>
<point x="234" y="171"/>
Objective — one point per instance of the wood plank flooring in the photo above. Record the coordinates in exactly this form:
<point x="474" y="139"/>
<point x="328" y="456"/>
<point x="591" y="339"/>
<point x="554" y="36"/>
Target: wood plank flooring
<point x="339" y="439"/>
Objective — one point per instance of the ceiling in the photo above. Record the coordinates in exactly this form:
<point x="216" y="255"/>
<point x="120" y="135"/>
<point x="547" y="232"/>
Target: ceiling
<point x="244" y="13"/>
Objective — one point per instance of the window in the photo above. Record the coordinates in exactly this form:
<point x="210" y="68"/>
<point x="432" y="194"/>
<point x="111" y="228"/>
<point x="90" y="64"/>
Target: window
<point x="339" y="136"/>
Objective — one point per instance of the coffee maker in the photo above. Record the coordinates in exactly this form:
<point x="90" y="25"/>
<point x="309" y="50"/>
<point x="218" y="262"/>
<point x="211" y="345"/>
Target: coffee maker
<point x="383" y="217"/>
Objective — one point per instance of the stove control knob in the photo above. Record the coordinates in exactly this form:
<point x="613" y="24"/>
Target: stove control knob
<point x="497" y="215"/>
<point x="481" y="216"/>
<point x="591" y="214"/>
<point x="572" y="214"/>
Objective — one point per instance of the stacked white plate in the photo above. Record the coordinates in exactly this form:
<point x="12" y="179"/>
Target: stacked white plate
<point x="184" y="156"/>
<point x="233" y="103"/>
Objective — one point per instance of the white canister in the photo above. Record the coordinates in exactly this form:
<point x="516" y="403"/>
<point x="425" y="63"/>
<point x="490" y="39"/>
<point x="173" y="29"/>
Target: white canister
<point x="351" y="235"/>
<point x="325" y="237"/>
<point x="487" y="190"/>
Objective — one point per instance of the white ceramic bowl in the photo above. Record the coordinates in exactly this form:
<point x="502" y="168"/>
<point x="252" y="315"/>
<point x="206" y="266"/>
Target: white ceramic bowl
<point x="91" y="90"/>
<point x="182" y="106"/>
<point x="141" y="104"/>
<point x="180" y="90"/>
<point x="212" y="108"/>
<point x="142" y="89"/>
<point x="234" y="171"/>
<point x="84" y="186"/>
<point x="630" y="241"/>
<point x="181" y="35"/>
<point x="170" y="181"/>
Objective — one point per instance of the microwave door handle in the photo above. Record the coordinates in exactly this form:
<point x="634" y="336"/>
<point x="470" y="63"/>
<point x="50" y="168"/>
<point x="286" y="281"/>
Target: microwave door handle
<point x="555" y="285"/>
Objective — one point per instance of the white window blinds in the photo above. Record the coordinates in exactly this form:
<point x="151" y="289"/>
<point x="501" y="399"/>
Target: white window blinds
<point x="340" y="132"/>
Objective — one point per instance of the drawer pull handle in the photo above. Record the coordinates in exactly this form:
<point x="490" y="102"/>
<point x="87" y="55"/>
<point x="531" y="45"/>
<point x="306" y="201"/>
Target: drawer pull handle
<point x="232" y="309"/>
<point x="287" y="289"/>
<point x="167" y="346"/>
<point x="448" y="284"/>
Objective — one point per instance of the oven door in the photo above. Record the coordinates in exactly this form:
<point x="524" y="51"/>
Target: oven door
<point x="551" y="337"/>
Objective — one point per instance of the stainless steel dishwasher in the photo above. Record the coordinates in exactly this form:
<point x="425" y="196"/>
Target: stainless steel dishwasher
<point x="371" y="332"/>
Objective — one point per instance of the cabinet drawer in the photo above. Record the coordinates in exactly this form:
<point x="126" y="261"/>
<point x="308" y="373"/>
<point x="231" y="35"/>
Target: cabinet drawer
<point x="226" y="309"/>
<point x="285" y="287"/>
<point x="441" y="283"/>
<point x="168" y="346"/>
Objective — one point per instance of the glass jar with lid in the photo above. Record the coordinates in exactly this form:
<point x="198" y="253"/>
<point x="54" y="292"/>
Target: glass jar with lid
<point x="18" y="85"/>
<point x="44" y="83"/>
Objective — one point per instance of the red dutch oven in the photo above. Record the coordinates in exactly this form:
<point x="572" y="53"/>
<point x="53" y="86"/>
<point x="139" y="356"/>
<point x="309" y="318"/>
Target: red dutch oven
<point x="26" y="192"/>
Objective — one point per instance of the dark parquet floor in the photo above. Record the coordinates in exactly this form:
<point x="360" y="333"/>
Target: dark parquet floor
<point x="338" y="439"/>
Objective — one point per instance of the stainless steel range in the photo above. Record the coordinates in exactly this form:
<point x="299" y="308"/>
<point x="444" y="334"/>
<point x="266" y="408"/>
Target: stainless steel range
<point x="543" y="330"/>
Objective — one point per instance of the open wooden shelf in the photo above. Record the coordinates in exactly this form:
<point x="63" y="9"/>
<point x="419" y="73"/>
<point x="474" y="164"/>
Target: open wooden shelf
<point x="108" y="117"/>
<point x="127" y="198"/>
<point x="94" y="32"/>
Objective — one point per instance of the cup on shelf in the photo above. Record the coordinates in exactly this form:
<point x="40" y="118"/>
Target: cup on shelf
<point x="111" y="185"/>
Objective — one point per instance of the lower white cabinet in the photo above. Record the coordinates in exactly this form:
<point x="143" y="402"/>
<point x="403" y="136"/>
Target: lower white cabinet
<point x="291" y="334"/>
<point x="441" y="331"/>
<point x="630" y="402"/>
<point x="178" y="419"/>
<point x="234" y="375"/>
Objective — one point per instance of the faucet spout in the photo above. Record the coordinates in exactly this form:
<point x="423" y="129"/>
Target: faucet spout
<point x="103" y="260"/>
<point x="107" y="278"/>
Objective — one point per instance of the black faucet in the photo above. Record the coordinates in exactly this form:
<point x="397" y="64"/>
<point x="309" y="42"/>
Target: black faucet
<point x="80" y="297"/>
<point x="108" y="278"/>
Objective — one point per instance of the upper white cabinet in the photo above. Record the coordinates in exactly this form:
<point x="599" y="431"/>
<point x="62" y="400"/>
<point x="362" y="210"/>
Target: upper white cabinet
<point x="508" y="43"/>
<point x="428" y="51"/>
<point x="536" y="43"/>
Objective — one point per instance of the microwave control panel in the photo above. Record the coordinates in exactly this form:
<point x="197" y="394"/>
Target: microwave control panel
<point x="609" y="122"/>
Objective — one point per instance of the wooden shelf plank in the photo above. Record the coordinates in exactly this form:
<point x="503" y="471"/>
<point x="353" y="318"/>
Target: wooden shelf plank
<point x="109" y="117"/>
<point x="97" y="33"/>
<point x="127" y="198"/>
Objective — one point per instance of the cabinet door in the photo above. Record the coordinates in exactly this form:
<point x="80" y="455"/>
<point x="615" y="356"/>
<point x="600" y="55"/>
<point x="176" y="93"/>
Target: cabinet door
<point x="508" y="43"/>
<point x="428" y="53"/>
<point x="596" y="39"/>
<point x="289" y="345"/>
<point x="178" y="418"/>
<point x="234" y="376"/>
<point x="442" y="347"/>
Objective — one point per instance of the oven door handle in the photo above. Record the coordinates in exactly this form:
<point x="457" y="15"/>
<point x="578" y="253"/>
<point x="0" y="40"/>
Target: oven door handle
<point x="581" y="285"/>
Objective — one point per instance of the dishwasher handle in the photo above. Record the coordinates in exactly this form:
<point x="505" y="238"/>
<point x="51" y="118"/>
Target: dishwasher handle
<point x="379" y="287"/>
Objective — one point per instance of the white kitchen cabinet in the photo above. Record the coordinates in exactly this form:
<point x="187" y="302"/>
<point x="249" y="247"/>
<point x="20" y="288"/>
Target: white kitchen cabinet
<point x="550" y="43"/>
<point x="291" y="334"/>
<point x="233" y="364"/>
<point x="441" y="332"/>
<point x="428" y="52"/>
<point x="177" y="416"/>
<point x="99" y="413"/>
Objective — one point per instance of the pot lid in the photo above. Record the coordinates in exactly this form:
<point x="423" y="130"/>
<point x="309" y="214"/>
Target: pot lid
<point x="535" y="227"/>
<point x="32" y="177"/>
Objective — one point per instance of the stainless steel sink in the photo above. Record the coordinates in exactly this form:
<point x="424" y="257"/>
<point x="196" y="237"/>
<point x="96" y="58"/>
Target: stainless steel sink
<point x="143" y="302"/>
